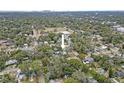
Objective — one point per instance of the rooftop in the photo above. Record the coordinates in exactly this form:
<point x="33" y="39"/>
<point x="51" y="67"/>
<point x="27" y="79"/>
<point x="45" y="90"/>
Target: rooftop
<point x="65" y="32"/>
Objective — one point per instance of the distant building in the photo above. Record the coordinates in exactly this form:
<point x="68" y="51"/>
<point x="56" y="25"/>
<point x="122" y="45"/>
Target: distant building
<point x="118" y="28"/>
<point x="119" y="74"/>
<point x="5" y="43"/>
<point x="11" y="62"/>
<point x="88" y="60"/>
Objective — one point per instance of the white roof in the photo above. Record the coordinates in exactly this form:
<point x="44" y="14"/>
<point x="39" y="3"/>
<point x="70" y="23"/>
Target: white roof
<point x="116" y="26"/>
<point x="103" y="47"/>
<point x="11" y="62"/>
<point x="121" y="29"/>
<point x="65" y="32"/>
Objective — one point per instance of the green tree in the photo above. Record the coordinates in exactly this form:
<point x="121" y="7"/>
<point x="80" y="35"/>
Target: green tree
<point x="70" y="80"/>
<point x="80" y="76"/>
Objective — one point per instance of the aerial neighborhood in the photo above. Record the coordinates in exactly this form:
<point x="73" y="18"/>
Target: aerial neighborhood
<point x="62" y="47"/>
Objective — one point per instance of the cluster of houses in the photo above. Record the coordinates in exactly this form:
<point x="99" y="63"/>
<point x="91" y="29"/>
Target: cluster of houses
<point x="99" y="49"/>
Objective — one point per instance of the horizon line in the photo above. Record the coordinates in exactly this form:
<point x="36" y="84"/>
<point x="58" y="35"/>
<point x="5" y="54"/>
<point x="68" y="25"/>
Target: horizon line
<point x="62" y="11"/>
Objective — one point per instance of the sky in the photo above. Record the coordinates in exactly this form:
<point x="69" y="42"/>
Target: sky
<point x="61" y="5"/>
